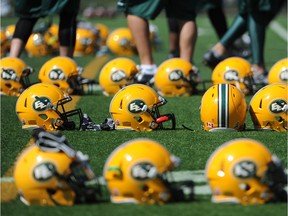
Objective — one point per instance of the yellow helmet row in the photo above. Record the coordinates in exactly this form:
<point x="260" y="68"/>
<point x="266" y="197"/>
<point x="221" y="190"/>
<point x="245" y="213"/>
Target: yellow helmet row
<point x="240" y="171"/>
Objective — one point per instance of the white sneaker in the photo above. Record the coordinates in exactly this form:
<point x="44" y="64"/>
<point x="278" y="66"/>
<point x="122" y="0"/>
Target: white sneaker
<point x="146" y="74"/>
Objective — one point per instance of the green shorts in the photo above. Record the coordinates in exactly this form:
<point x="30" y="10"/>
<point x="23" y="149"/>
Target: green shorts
<point x="181" y="9"/>
<point x="204" y="5"/>
<point x="250" y="6"/>
<point x="147" y="9"/>
<point x="42" y="8"/>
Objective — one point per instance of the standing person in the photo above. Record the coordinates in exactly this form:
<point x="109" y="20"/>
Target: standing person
<point x="253" y="16"/>
<point x="29" y="11"/>
<point x="138" y="14"/>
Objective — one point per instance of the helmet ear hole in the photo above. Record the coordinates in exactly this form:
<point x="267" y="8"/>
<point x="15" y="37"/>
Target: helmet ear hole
<point x="43" y="116"/>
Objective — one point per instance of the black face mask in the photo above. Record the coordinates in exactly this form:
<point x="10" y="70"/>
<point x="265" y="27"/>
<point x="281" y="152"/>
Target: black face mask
<point x="276" y="179"/>
<point x="65" y="123"/>
<point x="160" y="119"/>
<point x="77" y="83"/>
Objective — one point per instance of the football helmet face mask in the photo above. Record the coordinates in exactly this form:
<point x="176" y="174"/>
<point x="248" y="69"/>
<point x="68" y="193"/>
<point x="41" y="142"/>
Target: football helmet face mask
<point x="223" y="108"/>
<point x="279" y="72"/>
<point x="42" y="106"/>
<point x="244" y="171"/>
<point x="174" y="77"/>
<point x="58" y="175"/>
<point x="236" y="71"/>
<point x="64" y="73"/>
<point x="136" y="107"/>
<point x="268" y="108"/>
<point x="14" y="76"/>
<point x="117" y="74"/>
<point x="138" y="172"/>
<point x="120" y="42"/>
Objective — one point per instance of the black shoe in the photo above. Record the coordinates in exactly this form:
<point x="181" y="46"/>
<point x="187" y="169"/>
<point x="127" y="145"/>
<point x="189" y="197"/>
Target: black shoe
<point x="210" y="60"/>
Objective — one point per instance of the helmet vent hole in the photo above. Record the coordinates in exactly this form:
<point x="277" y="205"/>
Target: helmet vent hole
<point x="25" y="103"/>
<point x="120" y="107"/>
<point x="260" y="105"/>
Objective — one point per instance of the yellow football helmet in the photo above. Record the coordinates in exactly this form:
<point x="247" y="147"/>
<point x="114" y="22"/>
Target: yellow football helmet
<point x="64" y="73"/>
<point x="36" y="46"/>
<point x="244" y="171"/>
<point x="138" y="172"/>
<point x="268" y="108"/>
<point x="136" y="107"/>
<point x="236" y="71"/>
<point x="9" y="30"/>
<point x="103" y="32"/>
<point x="120" y="42"/>
<point x="86" y="42"/>
<point x="51" y="37"/>
<point x="14" y="76"/>
<point x="223" y="108"/>
<point x="117" y="74"/>
<point x="53" y="176"/>
<point x="42" y="106"/>
<point x="174" y="77"/>
<point x="279" y="72"/>
<point x="5" y="44"/>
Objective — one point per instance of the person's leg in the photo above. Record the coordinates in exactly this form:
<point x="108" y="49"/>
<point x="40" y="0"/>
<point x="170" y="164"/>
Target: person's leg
<point x="140" y="31"/>
<point x="187" y="40"/>
<point x="23" y="30"/>
<point x="220" y="50"/>
<point x="67" y="34"/>
<point x="173" y="33"/>
<point x="257" y="23"/>
<point x="218" y="20"/>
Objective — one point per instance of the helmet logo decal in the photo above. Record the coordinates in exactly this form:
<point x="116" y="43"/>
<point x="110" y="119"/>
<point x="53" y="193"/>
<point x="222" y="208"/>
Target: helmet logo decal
<point x="231" y="75"/>
<point x="278" y="106"/>
<point x="118" y="76"/>
<point x="137" y="106"/>
<point x="175" y="75"/>
<point x="56" y="74"/>
<point x="284" y="75"/>
<point x="244" y="169"/>
<point x="44" y="171"/>
<point x="41" y="103"/>
<point x="143" y="171"/>
<point x="8" y="74"/>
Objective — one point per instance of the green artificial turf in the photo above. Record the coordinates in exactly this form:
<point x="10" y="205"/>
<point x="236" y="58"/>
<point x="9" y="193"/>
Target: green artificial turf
<point x="193" y="147"/>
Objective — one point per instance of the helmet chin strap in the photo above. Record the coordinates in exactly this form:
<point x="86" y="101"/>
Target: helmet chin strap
<point x="167" y="117"/>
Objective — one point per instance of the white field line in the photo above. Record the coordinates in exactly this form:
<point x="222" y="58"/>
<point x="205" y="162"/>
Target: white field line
<point x="279" y="30"/>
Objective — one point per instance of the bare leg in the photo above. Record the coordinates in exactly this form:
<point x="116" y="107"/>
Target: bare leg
<point x="140" y="31"/>
<point x="66" y="51"/>
<point x="188" y="36"/>
<point x="17" y="46"/>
